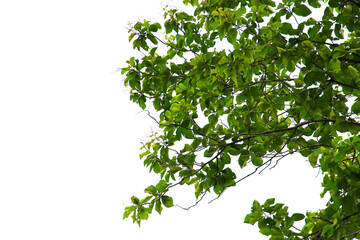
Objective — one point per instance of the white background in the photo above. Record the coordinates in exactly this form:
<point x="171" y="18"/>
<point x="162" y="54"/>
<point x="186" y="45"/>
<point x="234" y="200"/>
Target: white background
<point x="70" y="137"/>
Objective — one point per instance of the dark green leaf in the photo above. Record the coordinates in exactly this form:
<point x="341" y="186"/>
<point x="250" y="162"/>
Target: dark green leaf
<point x="135" y="200"/>
<point x="257" y="161"/>
<point x="349" y="205"/>
<point x="298" y="216"/>
<point x="167" y="201"/>
<point x="302" y="10"/>
<point x="284" y="84"/>
<point x="355" y="108"/>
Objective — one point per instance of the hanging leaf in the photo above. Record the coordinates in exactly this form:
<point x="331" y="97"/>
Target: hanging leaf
<point x="302" y="10"/>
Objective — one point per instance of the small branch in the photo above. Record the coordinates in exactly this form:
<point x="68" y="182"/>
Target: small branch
<point x="343" y="84"/>
<point x="178" y="49"/>
<point x="331" y="44"/>
<point x="162" y="75"/>
<point x="349" y="60"/>
<point x="356" y="3"/>
<point x="198" y="170"/>
<point x="218" y="195"/>
<point x="350" y="234"/>
<point x="268" y="81"/>
<point x="287" y="129"/>
<point x="253" y="172"/>
<point x="148" y="113"/>
<point x="196" y="203"/>
<point x="174" y="150"/>
<point x="282" y="148"/>
<point x="296" y="228"/>
<point x="278" y="160"/>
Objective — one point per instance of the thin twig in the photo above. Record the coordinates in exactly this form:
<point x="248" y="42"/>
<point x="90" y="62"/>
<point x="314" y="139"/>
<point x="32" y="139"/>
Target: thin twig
<point x="196" y="203"/>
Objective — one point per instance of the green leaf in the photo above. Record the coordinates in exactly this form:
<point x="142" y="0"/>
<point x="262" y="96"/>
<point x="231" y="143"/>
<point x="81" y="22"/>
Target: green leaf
<point x="234" y="77"/>
<point x="257" y="161"/>
<point x="231" y="36"/>
<point x="355" y="108"/>
<point x="151" y="190"/>
<point x="313" y="77"/>
<point x="135" y="200"/>
<point x="302" y="10"/>
<point x="349" y="205"/>
<point x="233" y="151"/>
<point x="353" y="71"/>
<point x="223" y="60"/>
<point x="339" y="32"/>
<point x="276" y="234"/>
<point x="167" y="201"/>
<point x="328" y="13"/>
<point x="334" y="65"/>
<point x="313" y="159"/>
<point x="209" y="152"/>
<point x="291" y="66"/>
<point x="158" y="206"/>
<point x="152" y="39"/>
<point x="218" y="189"/>
<point x="226" y="158"/>
<point x="308" y="227"/>
<point x="156" y="167"/>
<point x="161" y="186"/>
<point x="243" y="160"/>
<point x="146" y="199"/>
<point x="328" y="231"/>
<point x="253" y="217"/>
<point x="155" y="27"/>
<point x="269" y="202"/>
<point x="256" y="206"/>
<point x="128" y="211"/>
<point x="298" y="216"/>
<point x="287" y="28"/>
<point x="143" y="213"/>
<point x="221" y="29"/>
<point x="314" y="3"/>
<point x="258" y="149"/>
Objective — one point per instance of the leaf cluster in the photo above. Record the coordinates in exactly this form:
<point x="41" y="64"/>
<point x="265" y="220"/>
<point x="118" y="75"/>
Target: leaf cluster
<point x="248" y="83"/>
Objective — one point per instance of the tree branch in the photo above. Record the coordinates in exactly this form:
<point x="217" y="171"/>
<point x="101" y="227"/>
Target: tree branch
<point x="343" y="84"/>
<point x="284" y="129"/>
<point x="349" y="60"/>
<point x="354" y="2"/>
<point x="196" y="203"/>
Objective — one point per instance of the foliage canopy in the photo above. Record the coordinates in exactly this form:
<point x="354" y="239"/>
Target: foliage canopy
<point x="270" y="79"/>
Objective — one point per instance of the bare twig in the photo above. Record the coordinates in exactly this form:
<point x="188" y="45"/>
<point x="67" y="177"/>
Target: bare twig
<point x="153" y="118"/>
<point x="196" y="203"/>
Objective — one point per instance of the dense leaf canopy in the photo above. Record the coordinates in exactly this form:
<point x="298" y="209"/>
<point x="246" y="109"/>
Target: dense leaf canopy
<point x="251" y="82"/>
